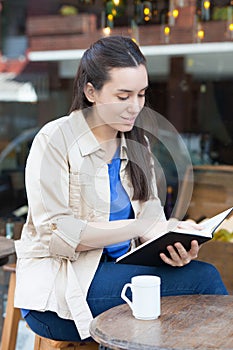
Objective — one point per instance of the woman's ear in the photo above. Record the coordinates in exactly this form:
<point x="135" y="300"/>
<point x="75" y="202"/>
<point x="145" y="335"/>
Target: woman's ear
<point x="89" y="92"/>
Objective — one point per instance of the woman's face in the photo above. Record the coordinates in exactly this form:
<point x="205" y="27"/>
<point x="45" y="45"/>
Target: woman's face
<point x="118" y="103"/>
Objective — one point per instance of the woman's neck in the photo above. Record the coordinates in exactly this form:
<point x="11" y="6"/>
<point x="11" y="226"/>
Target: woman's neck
<point x="110" y="148"/>
<point x="104" y="133"/>
<point x="106" y="136"/>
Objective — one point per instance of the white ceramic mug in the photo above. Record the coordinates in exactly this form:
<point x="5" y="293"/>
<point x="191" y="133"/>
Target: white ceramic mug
<point x="145" y="302"/>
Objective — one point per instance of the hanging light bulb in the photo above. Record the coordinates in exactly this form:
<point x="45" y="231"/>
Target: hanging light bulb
<point x="206" y="10"/>
<point x="110" y="20"/>
<point x="107" y="31"/>
<point x="166" y="34"/>
<point x="147" y="11"/>
<point x="146" y="14"/>
<point x="110" y="17"/>
<point x="200" y="34"/>
<point x="206" y="5"/>
<point x="230" y="30"/>
<point x="167" y="30"/>
<point x="116" y="2"/>
<point x="175" y="13"/>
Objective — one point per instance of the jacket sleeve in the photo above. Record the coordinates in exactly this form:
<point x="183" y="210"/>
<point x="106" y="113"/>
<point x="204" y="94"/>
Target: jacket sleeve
<point x="47" y="186"/>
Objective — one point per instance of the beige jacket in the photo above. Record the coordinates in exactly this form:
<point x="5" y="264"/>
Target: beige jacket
<point x="67" y="185"/>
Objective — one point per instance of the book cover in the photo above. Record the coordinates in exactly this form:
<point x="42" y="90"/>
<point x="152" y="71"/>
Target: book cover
<point x="148" y="252"/>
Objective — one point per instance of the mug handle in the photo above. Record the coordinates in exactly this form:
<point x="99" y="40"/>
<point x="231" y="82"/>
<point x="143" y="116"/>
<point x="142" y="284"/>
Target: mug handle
<point x="124" y="297"/>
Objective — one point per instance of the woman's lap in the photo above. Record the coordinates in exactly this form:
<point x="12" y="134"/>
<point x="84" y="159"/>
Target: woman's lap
<point x="194" y="278"/>
<point x="105" y="290"/>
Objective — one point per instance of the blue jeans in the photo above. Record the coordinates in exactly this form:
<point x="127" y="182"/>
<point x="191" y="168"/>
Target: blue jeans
<point x="105" y="290"/>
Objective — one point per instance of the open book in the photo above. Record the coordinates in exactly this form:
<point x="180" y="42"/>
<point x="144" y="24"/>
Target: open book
<point x="148" y="252"/>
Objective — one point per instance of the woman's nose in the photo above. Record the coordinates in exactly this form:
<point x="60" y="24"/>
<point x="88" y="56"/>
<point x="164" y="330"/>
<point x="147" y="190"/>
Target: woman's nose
<point x="134" y="105"/>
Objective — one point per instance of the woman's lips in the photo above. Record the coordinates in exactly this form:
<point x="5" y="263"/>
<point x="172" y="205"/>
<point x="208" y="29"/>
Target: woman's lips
<point x="129" y="120"/>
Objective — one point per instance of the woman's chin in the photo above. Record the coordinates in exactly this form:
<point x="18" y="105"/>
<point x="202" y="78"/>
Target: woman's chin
<point x="125" y="127"/>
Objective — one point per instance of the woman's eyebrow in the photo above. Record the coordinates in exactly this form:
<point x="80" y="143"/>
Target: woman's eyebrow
<point x="126" y="90"/>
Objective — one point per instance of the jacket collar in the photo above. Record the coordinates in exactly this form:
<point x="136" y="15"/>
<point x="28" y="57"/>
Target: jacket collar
<point x="85" y="138"/>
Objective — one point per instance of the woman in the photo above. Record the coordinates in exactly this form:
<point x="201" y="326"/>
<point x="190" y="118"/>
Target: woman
<point x="91" y="190"/>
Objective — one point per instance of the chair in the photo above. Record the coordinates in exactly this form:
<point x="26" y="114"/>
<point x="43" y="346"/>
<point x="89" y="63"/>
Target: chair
<point x="11" y="323"/>
<point x="48" y="344"/>
<point x="13" y="315"/>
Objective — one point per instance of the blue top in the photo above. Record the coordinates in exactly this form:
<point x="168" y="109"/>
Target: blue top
<point x="120" y="207"/>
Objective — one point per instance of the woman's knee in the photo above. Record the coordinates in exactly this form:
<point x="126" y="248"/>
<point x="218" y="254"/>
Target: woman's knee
<point x="212" y="280"/>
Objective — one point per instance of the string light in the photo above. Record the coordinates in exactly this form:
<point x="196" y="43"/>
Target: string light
<point x="206" y="10"/>
<point x="110" y="20"/>
<point x="230" y="31"/>
<point x="206" y="5"/>
<point x="116" y="2"/>
<point x="201" y="34"/>
<point x="167" y="30"/>
<point x="175" y="13"/>
<point x="110" y="17"/>
<point x="166" y="34"/>
<point x="146" y="11"/>
<point x="172" y="15"/>
<point x="147" y="14"/>
<point x="107" y="31"/>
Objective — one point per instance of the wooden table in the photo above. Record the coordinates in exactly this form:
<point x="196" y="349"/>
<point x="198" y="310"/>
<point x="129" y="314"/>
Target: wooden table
<point x="187" y="322"/>
<point x="7" y="248"/>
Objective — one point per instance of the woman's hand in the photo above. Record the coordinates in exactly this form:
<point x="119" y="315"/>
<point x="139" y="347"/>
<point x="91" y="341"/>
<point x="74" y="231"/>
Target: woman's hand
<point x="189" y="225"/>
<point x="179" y="256"/>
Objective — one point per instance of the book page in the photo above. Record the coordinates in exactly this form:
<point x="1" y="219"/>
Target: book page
<point x="208" y="226"/>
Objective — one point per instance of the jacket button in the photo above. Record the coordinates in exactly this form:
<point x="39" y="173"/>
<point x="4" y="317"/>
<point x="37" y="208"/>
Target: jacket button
<point x="53" y="227"/>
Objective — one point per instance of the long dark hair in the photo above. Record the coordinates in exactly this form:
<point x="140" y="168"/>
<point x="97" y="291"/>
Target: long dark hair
<point x="96" y="62"/>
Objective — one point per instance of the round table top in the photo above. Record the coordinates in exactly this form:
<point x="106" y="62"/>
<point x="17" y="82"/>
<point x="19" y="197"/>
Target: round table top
<point x="7" y="247"/>
<point x="186" y="322"/>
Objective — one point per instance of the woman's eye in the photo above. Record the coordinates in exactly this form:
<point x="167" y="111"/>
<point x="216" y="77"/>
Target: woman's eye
<point x="123" y="98"/>
<point x="141" y="95"/>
